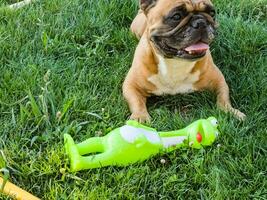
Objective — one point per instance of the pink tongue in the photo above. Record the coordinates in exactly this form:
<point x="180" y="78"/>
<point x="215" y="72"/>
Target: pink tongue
<point x="200" y="46"/>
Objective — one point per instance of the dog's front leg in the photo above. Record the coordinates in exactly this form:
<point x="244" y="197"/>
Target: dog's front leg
<point x="137" y="102"/>
<point x="223" y="100"/>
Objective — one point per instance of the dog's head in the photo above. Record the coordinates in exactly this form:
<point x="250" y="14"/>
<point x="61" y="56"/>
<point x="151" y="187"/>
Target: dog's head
<point x="180" y="28"/>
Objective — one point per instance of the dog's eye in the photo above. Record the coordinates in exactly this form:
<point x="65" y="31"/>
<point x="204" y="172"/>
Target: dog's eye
<point x="212" y="13"/>
<point x="176" y="17"/>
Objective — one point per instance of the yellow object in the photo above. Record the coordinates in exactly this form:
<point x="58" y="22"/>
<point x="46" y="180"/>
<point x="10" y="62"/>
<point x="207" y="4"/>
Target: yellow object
<point x="16" y="192"/>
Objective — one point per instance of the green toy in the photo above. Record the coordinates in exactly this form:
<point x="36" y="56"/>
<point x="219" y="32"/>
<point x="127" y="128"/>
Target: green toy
<point x="135" y="142"/>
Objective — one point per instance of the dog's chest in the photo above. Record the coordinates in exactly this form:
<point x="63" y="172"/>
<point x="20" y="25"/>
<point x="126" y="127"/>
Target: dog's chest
<point x="174" y="76"/>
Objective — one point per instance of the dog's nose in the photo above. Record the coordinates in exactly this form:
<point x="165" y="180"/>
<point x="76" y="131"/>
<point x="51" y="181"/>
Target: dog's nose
<point x="199" y="23"/>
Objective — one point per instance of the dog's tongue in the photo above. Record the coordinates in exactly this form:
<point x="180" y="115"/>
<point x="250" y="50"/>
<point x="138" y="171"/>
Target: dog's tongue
<point x="198" y="47"/>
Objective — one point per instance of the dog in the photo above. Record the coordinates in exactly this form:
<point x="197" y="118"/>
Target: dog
<point x="173" y="54"/>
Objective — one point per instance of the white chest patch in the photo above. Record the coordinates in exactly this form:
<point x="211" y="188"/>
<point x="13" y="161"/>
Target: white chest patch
<point x="173" y="141"/>
<point x="130" y="134"/>
<point x="174" y="76"/>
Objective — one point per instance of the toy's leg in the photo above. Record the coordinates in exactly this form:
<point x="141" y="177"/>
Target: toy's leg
<point x="91" y="145"/>
<point x="90" y="162"/>
<point x="68" y="143"/>
<point x="78" y="162"/>
<point x="72" y="152"/>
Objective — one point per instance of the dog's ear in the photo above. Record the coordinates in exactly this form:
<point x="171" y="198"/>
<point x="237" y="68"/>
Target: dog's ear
<point x="145" y="5"/>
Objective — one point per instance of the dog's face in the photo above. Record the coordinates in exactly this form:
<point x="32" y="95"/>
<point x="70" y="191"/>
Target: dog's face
<point x="180" y="28"/>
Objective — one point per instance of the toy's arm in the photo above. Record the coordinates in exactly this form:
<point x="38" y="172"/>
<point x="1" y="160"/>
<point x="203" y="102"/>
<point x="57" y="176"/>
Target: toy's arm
<point x="138" y="125"/>
<point x="181" y="132"/>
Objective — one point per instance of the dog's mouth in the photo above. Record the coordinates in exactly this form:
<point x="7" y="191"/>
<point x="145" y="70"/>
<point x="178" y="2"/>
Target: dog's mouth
<point x="198" y="48"/>
<point x="193" y="51"/>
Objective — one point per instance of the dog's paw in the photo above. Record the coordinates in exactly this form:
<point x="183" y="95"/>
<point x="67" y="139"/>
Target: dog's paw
<point x="141" y="117"/>
<point x="238" y="114"/>
<point x="229" y="109"/>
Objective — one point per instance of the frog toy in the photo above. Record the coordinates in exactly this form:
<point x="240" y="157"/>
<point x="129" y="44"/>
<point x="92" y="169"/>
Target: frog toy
<point x="135" y="142"/>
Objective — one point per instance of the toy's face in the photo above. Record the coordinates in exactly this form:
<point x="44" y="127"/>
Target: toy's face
<point x="215" y="124"/>
<point x="207" y="132"/>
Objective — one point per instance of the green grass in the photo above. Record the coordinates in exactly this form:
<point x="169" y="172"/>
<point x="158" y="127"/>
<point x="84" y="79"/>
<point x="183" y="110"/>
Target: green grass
<point x="62" y="64"/>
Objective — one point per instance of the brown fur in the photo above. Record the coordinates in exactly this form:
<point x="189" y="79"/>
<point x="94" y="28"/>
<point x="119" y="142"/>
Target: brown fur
<point x="138" y="85"/>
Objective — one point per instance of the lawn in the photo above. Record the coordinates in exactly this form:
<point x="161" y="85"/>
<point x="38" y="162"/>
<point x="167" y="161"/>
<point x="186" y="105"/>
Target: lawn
<point x="62" y="64"/>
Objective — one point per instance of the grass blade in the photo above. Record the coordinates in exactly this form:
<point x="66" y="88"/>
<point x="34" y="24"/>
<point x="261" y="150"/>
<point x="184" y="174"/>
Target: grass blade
<point x="35" y="108"/>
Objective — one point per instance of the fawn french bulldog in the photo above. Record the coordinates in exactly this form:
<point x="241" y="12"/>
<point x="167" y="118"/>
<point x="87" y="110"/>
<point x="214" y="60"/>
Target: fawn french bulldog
<point x="173" y="54"/>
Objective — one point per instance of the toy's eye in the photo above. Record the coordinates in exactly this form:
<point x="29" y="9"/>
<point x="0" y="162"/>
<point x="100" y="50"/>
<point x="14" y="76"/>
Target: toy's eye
<point x="214" y="122"/>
